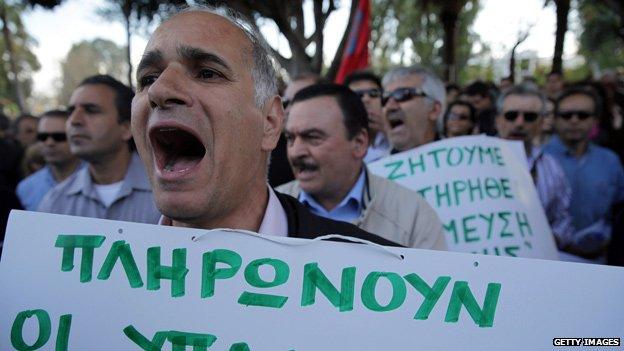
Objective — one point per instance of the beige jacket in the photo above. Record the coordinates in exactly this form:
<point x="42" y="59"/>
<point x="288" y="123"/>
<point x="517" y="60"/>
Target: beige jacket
<point x="394" y="213"/>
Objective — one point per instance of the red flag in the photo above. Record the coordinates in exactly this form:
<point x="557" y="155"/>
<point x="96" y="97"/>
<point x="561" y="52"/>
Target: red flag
<point x="355" y="54"/>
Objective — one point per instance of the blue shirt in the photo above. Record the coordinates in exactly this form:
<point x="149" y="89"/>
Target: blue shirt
<point x="33" y="188"/>
<point x="348" y="210"/>
<point x="596" y="180"/>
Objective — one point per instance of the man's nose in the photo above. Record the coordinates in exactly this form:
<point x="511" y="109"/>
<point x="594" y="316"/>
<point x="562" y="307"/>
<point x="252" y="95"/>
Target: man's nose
<point x="296" y="148"/>
<point x="75" y="118"/>
<point x="170" y="89"/>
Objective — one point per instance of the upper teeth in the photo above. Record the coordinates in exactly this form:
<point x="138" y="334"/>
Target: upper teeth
<point x="166" y="129"/>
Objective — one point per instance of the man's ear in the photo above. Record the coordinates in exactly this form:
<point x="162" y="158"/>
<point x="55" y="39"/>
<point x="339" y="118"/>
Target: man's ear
<point x="436" y="112"/>
<point x="360" y="143"/>
<point x="126" y="132"/>
<point x="273" y="118"/>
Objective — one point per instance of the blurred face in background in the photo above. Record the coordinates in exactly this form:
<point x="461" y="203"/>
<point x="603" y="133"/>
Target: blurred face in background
<point x="411" y="121"/>
<point x="458" y="121"/>
<point x="575" y="118"/>
<point x="370" y="93"/>
<point x="53" y="139"/>
<point x="27" y="131"/>
<point x="93" y="126"/>
<point x="520" y="118"/>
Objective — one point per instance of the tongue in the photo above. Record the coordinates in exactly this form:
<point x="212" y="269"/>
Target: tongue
<point x="181" y="164"/>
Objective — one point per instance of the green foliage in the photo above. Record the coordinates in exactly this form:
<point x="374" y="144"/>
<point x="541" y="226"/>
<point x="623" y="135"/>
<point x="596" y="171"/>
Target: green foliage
<point x="87" y="58"/>
<point x="25" y="59"/>
<point x="405" y="31"/>
<point x="599" y="42"/>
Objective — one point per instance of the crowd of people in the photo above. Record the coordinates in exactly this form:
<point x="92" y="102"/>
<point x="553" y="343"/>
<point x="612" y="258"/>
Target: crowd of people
<point x="192" y="146"/>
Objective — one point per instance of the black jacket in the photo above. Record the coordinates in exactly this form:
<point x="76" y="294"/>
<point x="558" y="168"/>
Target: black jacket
<point x="304" y="224"/>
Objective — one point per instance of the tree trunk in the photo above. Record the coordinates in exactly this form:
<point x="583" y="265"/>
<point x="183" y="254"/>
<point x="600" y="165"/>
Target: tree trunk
<point x="563" y="8"/>
<point x="128" y="53"/>
<point x="448" y="17"/>
<point x="6" y="33"/>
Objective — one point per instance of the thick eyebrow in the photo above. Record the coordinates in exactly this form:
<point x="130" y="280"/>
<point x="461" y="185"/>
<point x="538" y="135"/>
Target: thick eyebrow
<point x="197" y="55"/>
<point x="306" y="132"/>
<point x="150" y="58"/>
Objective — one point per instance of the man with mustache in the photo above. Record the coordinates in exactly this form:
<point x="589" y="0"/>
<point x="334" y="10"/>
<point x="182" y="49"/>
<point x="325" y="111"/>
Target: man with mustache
<point x="327" y="134"/>
<point x="521" y="110"/>
<point x="595" y="173"/>
<point x="113" y="185"/>
<point x="368" y="87"/>
<point x="205" y="118"/>
<point x="414" y="99"/>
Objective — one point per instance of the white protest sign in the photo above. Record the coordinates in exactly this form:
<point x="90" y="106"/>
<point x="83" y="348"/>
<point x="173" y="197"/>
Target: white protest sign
<point x="482" y="191"/>
<point x="71" y="283"/>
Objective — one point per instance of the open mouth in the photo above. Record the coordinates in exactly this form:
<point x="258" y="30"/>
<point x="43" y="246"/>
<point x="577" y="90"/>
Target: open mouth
<point x="395" y="123"/>
<point x="176" y="150"/>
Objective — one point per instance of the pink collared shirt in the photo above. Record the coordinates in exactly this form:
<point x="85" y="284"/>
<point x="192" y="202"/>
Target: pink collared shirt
<point x="273" y="223"/>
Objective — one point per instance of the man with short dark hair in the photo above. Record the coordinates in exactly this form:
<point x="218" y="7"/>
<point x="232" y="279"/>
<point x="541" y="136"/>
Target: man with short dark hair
<point x="205" y="138"/>
<point x="368" y="87"/>
<point x="521" y="110"/>
<point x="60" y="162"/>
<point x="279" y="170"/>
<point x="414" y="100"/>
<point x="554" y="85"/>
<point x="26" y="130"/>
<point x="327" y="134"/>
<point x="480" y="95"/>
<point x="113" y="185"/>
<point x="595" y="173"/>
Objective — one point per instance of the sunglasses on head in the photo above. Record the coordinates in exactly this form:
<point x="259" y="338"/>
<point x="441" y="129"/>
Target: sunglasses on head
<point x="581" y="115"/>
<point x="528" y="115"/>
<point x="58" y="137"/>
<point x="402" y="94"/>
<point x="372" y="93"/>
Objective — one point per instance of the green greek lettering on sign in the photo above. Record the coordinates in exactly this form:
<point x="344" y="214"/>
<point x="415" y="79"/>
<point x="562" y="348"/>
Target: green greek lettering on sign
<point x="252" y="276"/>
<point x="120" y="250"/>
<point x="240" y="346"/>
<point x="462" y="295"/>
<point x="210" y="273"/>
<point x="45" y="329"/>
<point x="523" y="223"/>
<point x="369" y="286"/>
<point x="88" y="243"/>
<point x="62" y="336"/>
<point x="430" y="293"/>
<point x="314" y="278"/>
<point x="395" y="166"/>
<point x="176" y="272"/>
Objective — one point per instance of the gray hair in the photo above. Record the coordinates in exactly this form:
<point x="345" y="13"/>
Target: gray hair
<point x="432" y="84"/>
<point x="263" y="71"/>
<point x="523" y="89"/>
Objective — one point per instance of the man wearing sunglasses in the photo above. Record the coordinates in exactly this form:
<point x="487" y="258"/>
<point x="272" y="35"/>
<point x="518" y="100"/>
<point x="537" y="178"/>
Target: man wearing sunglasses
<point x="595" y="173"/>
<point x="413" y="100"/>
<point x="520" y="113"/>
<point x="60" y="162"/>
<point x="367" y="86"/>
